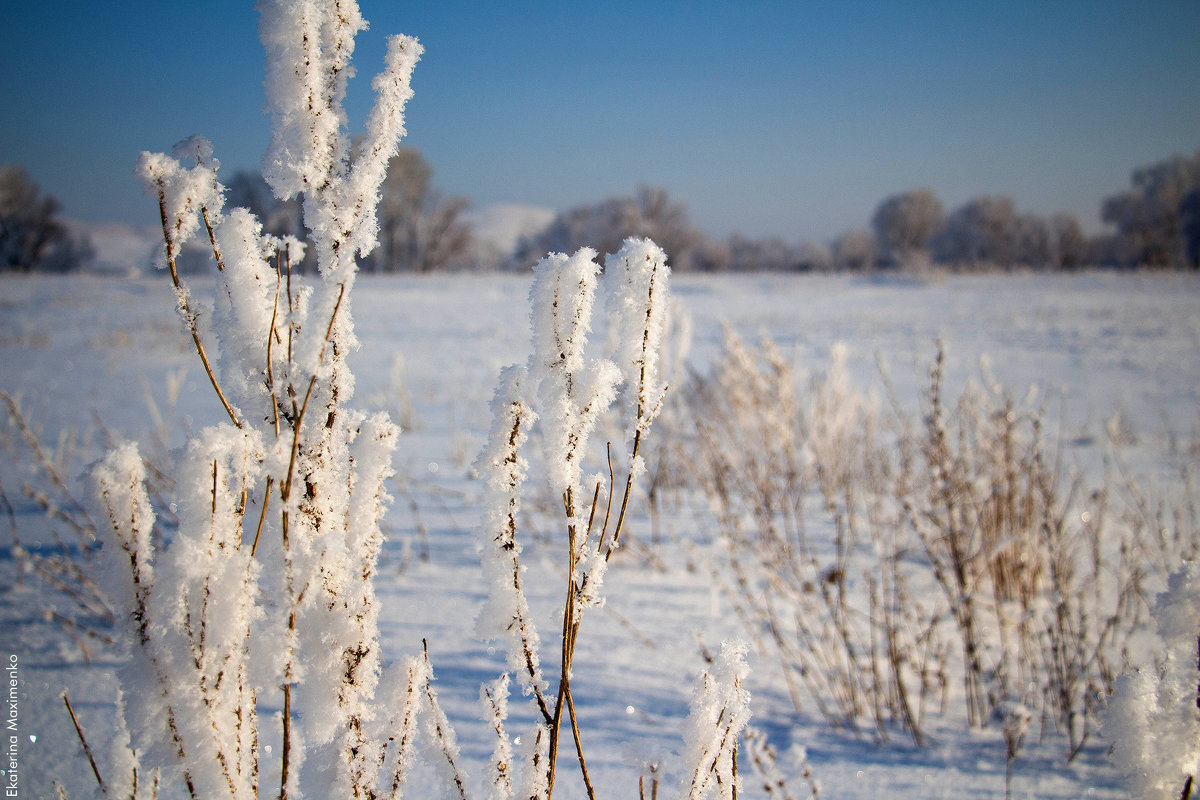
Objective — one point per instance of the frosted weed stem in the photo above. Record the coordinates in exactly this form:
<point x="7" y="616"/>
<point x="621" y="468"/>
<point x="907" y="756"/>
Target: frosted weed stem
<point x="189" y="316"/>
<point x="87" y="749"/>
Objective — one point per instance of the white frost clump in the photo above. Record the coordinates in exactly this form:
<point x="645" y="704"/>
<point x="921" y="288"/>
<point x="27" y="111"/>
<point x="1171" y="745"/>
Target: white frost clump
<point x="534" y="752"/>
<point x="573" y="392"/>
<point x="637" y="279"/>
<point x="1153" y="718"/>
<point x="184" y="191"/>
<point x="720" y="710"/>
<point x="494" y="699"/>
<point x="309" y="45"/>
<point x="507" y="613"/>
<point x="120" y="481"/>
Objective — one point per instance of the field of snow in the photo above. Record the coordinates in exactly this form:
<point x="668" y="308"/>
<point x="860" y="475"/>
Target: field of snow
<point x="106" y="359"/>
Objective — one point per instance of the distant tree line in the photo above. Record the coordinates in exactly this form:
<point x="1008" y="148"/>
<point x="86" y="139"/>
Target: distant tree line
<point x="910" y="230"/>
<point x="1154" y="223"/>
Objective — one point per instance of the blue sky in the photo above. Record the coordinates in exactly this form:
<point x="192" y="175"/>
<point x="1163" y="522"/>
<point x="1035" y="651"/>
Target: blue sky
<point x="786" y="118"/>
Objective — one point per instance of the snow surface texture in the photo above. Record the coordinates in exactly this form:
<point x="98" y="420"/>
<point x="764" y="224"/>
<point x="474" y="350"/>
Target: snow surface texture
<point x="1097" y="345"/>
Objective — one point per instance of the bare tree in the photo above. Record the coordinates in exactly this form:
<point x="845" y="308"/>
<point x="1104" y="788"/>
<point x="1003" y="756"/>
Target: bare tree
<point x="31" y="236"/>
<point x="1033" y="245"/>
<point x="814" y="257"/>
<point x="1069" y="244"/>
<point x="856" y="251"/>
<point x="419" y="229"/>
<point x="1149" y="225"/>
<point x="981" y="232"/>
<point x="1189" y="212"/>
<point x="605" y="225"/>
<point x="711" y="255"/>
<point x="770" y="254"/>
<point x="904" y="224"/>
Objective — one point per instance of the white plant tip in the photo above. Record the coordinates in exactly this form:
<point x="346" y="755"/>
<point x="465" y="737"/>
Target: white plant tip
<point x="720" y="710"/>
<point x="637" y="278"/>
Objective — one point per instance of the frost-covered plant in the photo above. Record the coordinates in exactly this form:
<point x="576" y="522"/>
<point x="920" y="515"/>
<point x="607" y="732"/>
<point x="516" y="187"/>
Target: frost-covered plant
<point x="254" y="623"/>
<point x="1042" y="586"/>
<point x="262" y="599"/>
<point x="766" y="764"/>
<point x="1153" y="716"/>
<point x="1013" y="719"/>
<point x="567" y="391"/>
<point x="837" y="616"/>
<point x="720" y="710"/>
<point x="86" y="614"/>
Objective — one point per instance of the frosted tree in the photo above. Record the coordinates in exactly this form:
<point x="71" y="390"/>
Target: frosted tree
<point x="649" y="213"/>
<point x="904" y="224"/>
<point x="1154" y="219"/>
<point x="982" y="231"/>
<point x="31" y="235"/>
<point x="856" y="251"/>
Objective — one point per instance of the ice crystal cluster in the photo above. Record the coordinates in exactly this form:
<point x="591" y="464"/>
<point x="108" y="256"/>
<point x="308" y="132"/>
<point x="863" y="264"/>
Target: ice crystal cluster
<point x="1153" y="717"/>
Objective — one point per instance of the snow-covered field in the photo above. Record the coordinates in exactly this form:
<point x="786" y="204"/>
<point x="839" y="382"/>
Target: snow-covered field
<point x="107" y="358"/>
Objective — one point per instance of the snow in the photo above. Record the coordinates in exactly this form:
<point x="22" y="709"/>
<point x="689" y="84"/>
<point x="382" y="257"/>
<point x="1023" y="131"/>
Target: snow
<point x="77" y="349"/>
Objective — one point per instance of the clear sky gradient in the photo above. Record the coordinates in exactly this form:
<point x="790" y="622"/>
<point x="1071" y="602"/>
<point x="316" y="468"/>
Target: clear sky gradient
<point x="786" y="118"/>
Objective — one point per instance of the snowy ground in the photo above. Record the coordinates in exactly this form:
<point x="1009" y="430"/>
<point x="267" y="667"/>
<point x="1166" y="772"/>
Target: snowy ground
<point x="94" y="355"/>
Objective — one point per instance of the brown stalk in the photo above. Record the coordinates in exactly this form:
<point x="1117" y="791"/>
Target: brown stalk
<point x="434" y="707"/>
<point x="287" y="730"/>
<point x="262" y="516"/>
<point x="564" y="680"/>
<point x="611" y="485"/>
<point x="587" y="782"/>
<point x="637" y="441"/>
<point x="272" y="335"/>
<point x="87" y="749"/>
<point x="188" y="314"/>
<point x="212" y="240"/>
<point x="286" y="489"/>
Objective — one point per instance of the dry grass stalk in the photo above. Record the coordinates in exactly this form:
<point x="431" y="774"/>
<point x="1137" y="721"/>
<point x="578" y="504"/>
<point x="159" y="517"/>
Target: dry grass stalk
<point x="1043" y="583"/>
<point x="64" y="568"/>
